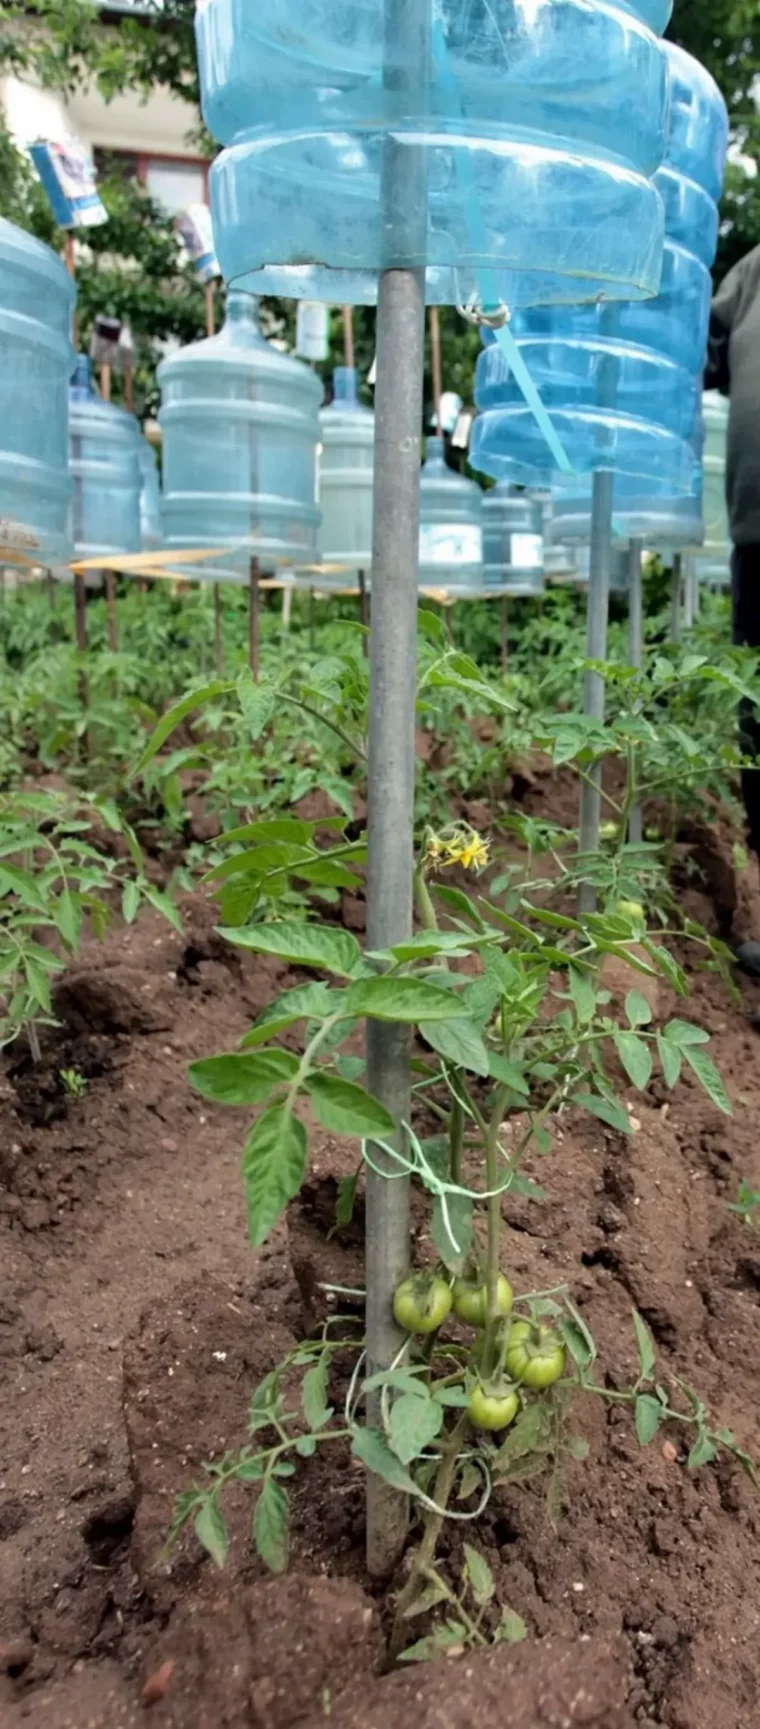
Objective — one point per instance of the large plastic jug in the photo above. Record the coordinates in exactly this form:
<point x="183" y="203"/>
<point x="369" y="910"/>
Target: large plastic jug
<point x="150" y="499"/>
<point x="451" y="527"/>
<point x="240" y="425"/>
<point x="104" y="459"/>
<point x="513" y="544"/>
<point x="529" y="132"/>
<point x="347" y="431"/>
<point x="36" y="361"/>
<point x="622" y="385"/>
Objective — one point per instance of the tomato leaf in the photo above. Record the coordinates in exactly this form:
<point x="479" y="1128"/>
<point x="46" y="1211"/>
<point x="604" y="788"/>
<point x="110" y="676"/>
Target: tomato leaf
<point x="242" y="1078"/>
<point x="274" y="1162"/>
<point x="459" y="1042"/>
<point x="331" y="951"/>
<point x="637" y="1009"/>
<point x="371" y="1447"/>
<point x="635" y="1057"/>
<point x="583" y="995"/>
<point x="415" y="1423"/>
<point x="346" y="1108"/>
<point x="314" y="1395"/>
<point x="480" y="1577"/>
<point x="404" y="1000"/>
<point x="648" y="1411"/>
<point x="130" y="901"/>
<point x="708" y="1076"/>
<point x="314" y="1002"/>
<point x="606" y="1109"/>
<point x="647" y="1358"/>
<point x="211" y="1531"/>
<point x="459" y="1211"/>
<point x="270" y="1526"/>
<point x="179" y="712"/>
<point x="702" y="1453"/>
<point x="670" y="1057"/>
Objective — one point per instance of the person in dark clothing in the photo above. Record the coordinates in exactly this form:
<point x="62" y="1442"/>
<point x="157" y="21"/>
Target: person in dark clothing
<point x="734" y="368"/>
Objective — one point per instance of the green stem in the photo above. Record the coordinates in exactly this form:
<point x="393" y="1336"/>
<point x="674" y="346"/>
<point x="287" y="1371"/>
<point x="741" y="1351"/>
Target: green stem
<point x="425" y="908"/>
<point x="456" y="1137"/>
<point x="353" y="744"/>
<point x="423" y="1560"/>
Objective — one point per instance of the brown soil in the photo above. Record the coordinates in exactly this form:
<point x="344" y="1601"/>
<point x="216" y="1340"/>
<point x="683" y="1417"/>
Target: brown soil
<point x="134" y="1322"/>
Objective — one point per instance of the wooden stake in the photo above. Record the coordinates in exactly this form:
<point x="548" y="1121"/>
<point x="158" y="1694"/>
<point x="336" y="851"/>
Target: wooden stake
<point x="218" y="646"/>
<point x="113" y="626"/>
<point x="70" y="266"/>
<point x="253" y="617"/>
<point x="129" y="389"/>
<point x="105" y="382"/>
<point x="80" y="632"/>
<point x="348" y="334"/>
<point x="210" y="309"/>
<point x="287" y="608"/>
<point x="435" y="344"/>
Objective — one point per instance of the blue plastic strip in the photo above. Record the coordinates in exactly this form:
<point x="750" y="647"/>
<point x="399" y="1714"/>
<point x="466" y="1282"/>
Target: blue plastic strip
<point x="486" y="278"/>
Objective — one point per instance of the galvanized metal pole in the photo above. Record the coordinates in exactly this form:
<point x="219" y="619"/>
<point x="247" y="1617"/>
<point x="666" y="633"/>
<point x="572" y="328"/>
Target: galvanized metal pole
<point x="636" y="656"/>
<point x="393" y="653"/>
<point x="597" y="607"/>
<point x="675" y="599"/>
<point x="689" y="593"/>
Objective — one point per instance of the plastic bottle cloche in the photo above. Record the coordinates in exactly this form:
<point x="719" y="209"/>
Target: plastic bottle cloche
<point x="347" y="430"/>
<point x="36" y="361"/>
<point x="451" y="526"/>
<point x="527" y="131"/>
<point x="513" y="545"/>
<point x="240" y="427"/>
<point x="104" y="459"/>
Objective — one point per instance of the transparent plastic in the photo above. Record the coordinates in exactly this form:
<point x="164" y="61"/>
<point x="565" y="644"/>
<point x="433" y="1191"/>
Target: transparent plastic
<point x="513" y="544"/>
<point x="36" y="361"/>
<point x="104" y="460"/>
<point x="150" y="499"/>
<point x="240" y="424"/>
<point x="345" y="483"/>
<point x="698" y="129"/>
<point x="717" y="532"/>
<point x="451" y="527"/>
<point x="531" y="129"/>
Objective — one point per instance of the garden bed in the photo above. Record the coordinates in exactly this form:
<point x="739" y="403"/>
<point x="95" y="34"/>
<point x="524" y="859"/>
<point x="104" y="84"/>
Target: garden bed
<point x="134" y="1323"/>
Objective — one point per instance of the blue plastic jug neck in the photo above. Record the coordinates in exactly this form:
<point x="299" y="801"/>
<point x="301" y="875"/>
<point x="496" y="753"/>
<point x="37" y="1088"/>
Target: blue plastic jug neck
<point x="436" y="455"/>
<point x="242" y="313"/>
<point x="345" y="384"/>
<point x="80" y="388"/>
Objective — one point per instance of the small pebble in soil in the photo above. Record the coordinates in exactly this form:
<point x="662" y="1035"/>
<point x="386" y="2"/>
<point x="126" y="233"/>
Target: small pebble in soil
<point x="669" y="1452"/>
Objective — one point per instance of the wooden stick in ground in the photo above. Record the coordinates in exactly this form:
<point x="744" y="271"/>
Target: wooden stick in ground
<point x="105" y="382"/>
<point x="210" y="310"/>
<point x="435" y="344"/>
<point x="253" y="617"/>
<point x="348" y="335"/>
<point x="80" y="632"/>
<point x="218" y="645"/>
<point x="113" y="626"/>
<point x="69" y="257"/>
<point x="129" y="389"/>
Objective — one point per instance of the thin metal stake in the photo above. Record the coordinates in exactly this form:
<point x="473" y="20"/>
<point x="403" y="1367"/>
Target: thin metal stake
<point x="504" y="631"/>
<point x="363" y="609"/>
<point x="393" y="659"/>
<point x="689" y="593"/>
<point x="675" y="599"/>
<point x="253" y="617"/>
<point x="597" y="607"/>
<point x="218" y="647"/>
<point x="636" y="656"/>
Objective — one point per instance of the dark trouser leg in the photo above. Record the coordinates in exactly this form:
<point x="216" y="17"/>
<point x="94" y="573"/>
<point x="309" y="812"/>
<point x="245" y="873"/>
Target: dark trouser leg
<point x="745" y="571"/>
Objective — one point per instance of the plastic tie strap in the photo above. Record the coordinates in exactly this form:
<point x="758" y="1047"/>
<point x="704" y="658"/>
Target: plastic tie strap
<point x="487" y="280"/>
<point x="418" y="1166"/>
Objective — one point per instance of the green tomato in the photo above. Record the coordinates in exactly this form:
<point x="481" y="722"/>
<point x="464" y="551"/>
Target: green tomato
<point x="471" y="1300"/>
<point x="652" y="834"/>
<point x="535" y="1355"/>
<point x="493" y="1411"/>
<point x="422" y="1303"/>
<point x="631" y="910"/>
<point x="608" y="831"/>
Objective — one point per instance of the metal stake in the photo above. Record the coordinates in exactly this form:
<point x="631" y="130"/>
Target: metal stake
<point x="218" y="650"/>
<point x="504" y="632"/>
<point x="393" y="655"/>
<point x="597" y="607"/>
<point x="675" y="599"/>
<point x="690" y="593"/>
<point x="363" y="608"/>
<point x="253" y="617"/>
<point x="636" y="656"/>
